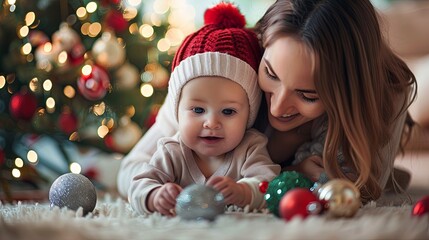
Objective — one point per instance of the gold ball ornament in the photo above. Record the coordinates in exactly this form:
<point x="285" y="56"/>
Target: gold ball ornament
<point x="108" y="52"/>
<point x="341" y="197"/>
<point x="126" y="135"/>
<point x="127" y="77"/>
<point x="65" y="38"/>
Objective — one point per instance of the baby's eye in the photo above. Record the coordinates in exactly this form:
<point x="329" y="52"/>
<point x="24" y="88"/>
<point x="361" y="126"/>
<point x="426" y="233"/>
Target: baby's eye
<point x="198" y="110"/>
<point x="228" y="111"/>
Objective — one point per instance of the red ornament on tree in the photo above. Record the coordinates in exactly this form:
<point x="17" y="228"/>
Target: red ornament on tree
<point x="116" y="21"/>
<point x="68" y="121"/>
<point x="421" y="207"/>
<point x="94" y="82"/>
<point x="23" y="105"/>
<point x="299" y="202"/>
<point x="76" y="54"/>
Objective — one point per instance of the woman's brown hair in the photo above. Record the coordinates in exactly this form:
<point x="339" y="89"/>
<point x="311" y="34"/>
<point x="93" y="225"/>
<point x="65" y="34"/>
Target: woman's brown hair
<point x="359" y="79"/>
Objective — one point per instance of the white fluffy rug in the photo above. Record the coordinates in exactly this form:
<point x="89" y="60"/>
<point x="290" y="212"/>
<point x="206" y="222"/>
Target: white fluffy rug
<point x="114" y="219"/>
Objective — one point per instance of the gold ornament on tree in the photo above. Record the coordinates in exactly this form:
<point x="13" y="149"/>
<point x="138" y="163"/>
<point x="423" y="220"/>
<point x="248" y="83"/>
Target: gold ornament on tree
<point x="126" y="135"/>
<point x="65" y="38"/>
<point x="108" y="52"/>
<point x="127" y="77"/>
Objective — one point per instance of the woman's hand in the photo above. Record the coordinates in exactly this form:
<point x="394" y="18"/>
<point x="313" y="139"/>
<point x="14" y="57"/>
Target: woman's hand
<point x="233" y="192"/>
<point x="311" y="167"/>
<point x="164" y="199"/>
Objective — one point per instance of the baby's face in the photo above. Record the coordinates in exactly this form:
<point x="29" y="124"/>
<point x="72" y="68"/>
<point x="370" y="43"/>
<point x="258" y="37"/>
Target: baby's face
<point x="212" y="113"/>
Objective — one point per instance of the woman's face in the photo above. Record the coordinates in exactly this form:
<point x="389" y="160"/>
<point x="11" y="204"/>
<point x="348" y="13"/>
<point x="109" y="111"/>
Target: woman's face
<point x="286" y="75"/>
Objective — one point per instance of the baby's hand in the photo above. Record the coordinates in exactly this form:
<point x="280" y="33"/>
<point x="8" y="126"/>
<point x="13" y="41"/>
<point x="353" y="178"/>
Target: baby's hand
<point x="232" y="191"/>
<point x="311" y="167"/>
<point x="164" y="200"/>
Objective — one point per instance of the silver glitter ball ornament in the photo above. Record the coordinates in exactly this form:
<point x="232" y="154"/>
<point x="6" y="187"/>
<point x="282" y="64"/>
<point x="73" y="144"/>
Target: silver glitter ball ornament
<point x="73" y="190"/>
<point x="198" y="202"/>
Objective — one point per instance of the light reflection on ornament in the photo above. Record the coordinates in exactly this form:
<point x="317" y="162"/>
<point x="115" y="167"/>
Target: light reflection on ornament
<point x="108" y="122"/>
<point x="2" y="81"/>
<point x="74" y="137"/>
<point x="62" y="57"/>
<point x="133" y="3"/>
<point x="175" y="36"/>
<point x="146" y="90"/>
<point x="81" y="13"/>
<point x="19" y="163"/>
<point x="29" y="18"/>
<point x="146" y="30"/>
<point x="161" y="6"/>
<point x="91" y="7"/>
<point x="102" y="131"/>
<point x="99" y="109"/>
<point x="34" y="84"/>
<point x="85" y="28"/>
<point x="155" y="19"/>
<point x="23" y="31"/>
<point x="133" y="28"/>
<point x="163" y="45"/>
<point x="75" y="167"/>
<point x="94" y="29"/>
<point x="69" y="91"/>
<point x="16" y="173"/>
<point x="12" y="8"/>
<point x="130" y="13"/>
<point x="131" y="110"/>
<point x="47" y="85"/>
<point x="32" y="156"/>
<point x="26" y="49"/>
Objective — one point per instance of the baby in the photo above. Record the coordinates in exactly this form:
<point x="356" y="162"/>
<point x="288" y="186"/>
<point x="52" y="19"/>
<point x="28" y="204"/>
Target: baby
<point x="214" y="94"/>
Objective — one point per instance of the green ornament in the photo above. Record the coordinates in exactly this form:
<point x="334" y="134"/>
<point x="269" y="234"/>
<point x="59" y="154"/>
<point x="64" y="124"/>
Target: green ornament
<point x="280" y="185"/>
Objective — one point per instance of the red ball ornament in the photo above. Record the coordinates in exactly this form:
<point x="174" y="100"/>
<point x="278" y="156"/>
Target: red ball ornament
<point x="68" y="121"/>
<point x="94" y="86"/>
<point x="299" y="202"/>
<point x="116" y="21"/>
<point x="263" y="186"/>
<point x="23" y="105"/>
<point x="421" y="207"/>
<point x="76" y="54"/>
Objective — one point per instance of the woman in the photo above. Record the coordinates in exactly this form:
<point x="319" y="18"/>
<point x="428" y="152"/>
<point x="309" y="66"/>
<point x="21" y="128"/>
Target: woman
<point x="329" y="77"/>
<point x="336" y="96"/>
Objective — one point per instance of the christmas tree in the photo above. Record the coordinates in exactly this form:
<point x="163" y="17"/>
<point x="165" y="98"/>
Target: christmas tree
<point x="86" y="72"/>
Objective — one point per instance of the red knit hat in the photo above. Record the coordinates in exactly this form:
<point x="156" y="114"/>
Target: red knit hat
<point x="222" y="47"/>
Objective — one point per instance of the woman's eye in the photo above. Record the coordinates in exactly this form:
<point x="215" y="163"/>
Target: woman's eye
<point x="198" y="110"/>
<point x="228" y="111"/>
<point x="269" y="75"/>
<point x="308" y="99"/>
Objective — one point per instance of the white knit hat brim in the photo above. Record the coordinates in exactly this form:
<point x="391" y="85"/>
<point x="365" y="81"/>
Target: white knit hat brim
<point x="216" y="64"/>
